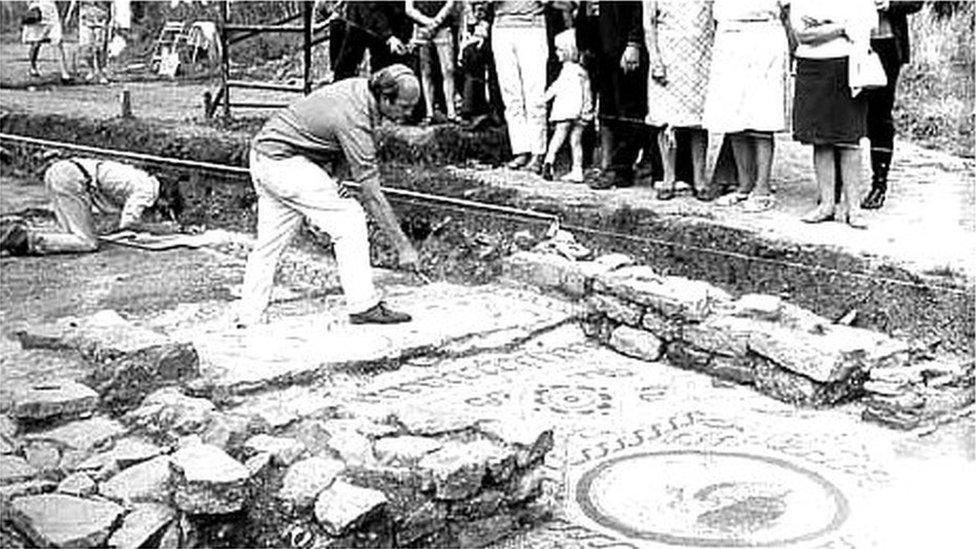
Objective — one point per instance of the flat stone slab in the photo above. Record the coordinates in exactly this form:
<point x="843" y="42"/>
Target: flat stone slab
<point x="307" y="478"/>
<point x="208" y="481"/>
<point x="296" y="347"/>
<point x="100" y="336"/>
<point x="64" y="398"/>
<point x="58" y="520"/>
<point x="341" y="506"/>
<point x="81" y="435"/>
<point x="150" y="481"/>
<point x="143" y="522"/>
<point x="15" y="469"/>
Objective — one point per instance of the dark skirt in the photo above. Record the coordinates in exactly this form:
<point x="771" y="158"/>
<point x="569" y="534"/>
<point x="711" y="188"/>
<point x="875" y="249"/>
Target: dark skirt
<point x="824" y="113"/>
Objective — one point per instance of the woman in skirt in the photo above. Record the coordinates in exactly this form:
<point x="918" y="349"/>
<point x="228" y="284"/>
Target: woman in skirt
<point x="825" y="112"/>
<point x="678" y="36"/>
<point x="747" y="92"/>
<point x="47" y="30"/>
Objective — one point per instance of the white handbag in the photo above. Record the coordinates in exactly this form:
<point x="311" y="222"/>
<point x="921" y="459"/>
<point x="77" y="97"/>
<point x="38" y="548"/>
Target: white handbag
<point x="865" y="71"/>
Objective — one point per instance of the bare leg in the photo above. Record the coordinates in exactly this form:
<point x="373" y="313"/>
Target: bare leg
<point x="745" y="161"/>
<point x="823" y="166"/>
<point x="699" y="150"/>
<point x="576" y="147"/>
<point x="445" y="56"/>
<point x="764" y="145"/>
<point x="850" y="168"/>
<point x="557" y="140"/>
<point x="35" y="49"/>
<point x="606" y="143"/>
<point x="669" y="155"/>
<point x="62" y="61"/>
<point x="426" y="78"/>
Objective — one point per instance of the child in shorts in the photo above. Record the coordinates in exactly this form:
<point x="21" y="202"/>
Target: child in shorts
<point x="572" y="107"/>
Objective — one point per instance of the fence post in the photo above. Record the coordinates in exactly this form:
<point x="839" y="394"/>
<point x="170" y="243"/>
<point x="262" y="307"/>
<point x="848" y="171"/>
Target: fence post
<point x="307" y="17"/>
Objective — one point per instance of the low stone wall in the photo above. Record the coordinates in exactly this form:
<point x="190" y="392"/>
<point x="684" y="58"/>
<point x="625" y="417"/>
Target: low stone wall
<point x="137" y="456"/>
<point x="783" y="350"/>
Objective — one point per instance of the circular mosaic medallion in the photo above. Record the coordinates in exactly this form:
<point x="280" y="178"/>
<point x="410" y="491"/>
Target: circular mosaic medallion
<point x="711" y="499"/>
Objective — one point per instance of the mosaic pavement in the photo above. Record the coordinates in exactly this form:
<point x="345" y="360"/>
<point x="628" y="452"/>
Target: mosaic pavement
<point x="648" y="455"/>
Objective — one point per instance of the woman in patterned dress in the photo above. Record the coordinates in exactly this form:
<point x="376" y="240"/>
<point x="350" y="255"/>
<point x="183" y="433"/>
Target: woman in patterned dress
<point x="747" y="91"/>
<point x="678" y="34"/>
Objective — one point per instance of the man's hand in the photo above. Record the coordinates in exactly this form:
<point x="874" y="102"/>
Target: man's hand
<point x="630" y="59"/>
<point x="882" y="5"/>
<point x="396" y="46"/>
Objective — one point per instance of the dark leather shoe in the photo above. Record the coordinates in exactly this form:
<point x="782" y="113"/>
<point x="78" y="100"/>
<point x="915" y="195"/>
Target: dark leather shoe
<point x="547" y="171"/>
<point x="874" y="199"/>
<point x="379" y="314"/>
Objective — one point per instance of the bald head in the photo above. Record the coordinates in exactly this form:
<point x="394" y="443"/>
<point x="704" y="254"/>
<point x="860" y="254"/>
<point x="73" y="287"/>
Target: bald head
<point x="396" y="89"/>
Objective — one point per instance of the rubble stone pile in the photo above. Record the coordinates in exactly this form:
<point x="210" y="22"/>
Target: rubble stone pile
<point x="781" y="349"/>
<point x="135" y="456"/>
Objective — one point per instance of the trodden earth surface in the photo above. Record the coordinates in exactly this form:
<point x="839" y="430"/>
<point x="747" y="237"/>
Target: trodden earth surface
<point x="646" y="454"/>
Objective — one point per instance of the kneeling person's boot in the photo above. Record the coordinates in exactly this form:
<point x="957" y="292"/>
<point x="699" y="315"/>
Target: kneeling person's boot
<point x="14" y="237"/>
<point x="379" y="314"/>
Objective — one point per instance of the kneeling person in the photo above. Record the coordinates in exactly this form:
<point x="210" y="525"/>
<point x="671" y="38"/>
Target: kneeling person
<point x="75" y="186"/>
<point x="286" y="163"/>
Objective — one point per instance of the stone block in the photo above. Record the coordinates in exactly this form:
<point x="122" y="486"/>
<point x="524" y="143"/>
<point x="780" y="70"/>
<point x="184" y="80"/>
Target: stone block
<point x="208" y="481"/>
<point x="616" y="309"/>
<point x="283" y="450"/>
<point x="738" y="369"/>
<point x="8" y="427"/>
<point x="724" y="335"/>
<point x="484" y="532"/>
<point x="351" y="447"/>
<point x="124" y="381"/>
<point x="484" y="504"/>
<point x="130" y="451"/>
<point x="426" y="520"/>
<point x="685" y="355"/>
<point x="141" y="524"/>
<point x="828" y="354"/>
<point x="342" y="506"/>
<point x="78" y="484"/>
<point x="425" y="422"/>
<point x="85" y="435"/>
<point x="361" y="425"/>
<point x="549" y="271"/>
<point x="797" y="389"/>
<point x="404" y="449"/>
<point x="305" y="479"/>
<point x="26" y="488"/>
<point x="758" y="306"/>
<point x="149" y="481"/>
<point x="168" y="411"/>
<point x="62" y="399"/>
<point x="667" y="329"/>
<point x="258" y="463"/>
<point x="99" y="337"/>
<point x="636" y="343"/>
<point x="689" y="300"/>
<point x="227" y="431"/>
<point x="15" y="469"/>
<point x="458" y="470"/>
<point x="43" y="456"/>
<point x="59" y="520"/>
<point x="531" y="440"/>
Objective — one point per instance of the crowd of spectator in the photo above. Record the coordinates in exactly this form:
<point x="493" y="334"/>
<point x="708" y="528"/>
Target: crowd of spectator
<point x="648" y="80"/>
<point x="657" y="77"/>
